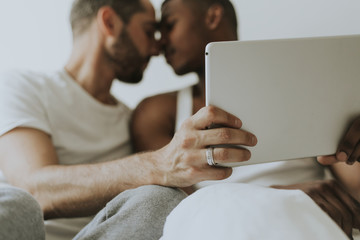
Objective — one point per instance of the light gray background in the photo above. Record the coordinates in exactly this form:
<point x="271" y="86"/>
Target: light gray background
<point x="36" y="34"/>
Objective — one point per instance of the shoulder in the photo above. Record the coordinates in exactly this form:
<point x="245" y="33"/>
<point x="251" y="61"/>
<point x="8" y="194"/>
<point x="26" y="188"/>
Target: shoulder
<point x="155" y="111"/>
<point x="20" y="84"/>
<point x="22" y="101"/>
<point x="25" y="86"/>
<point x="159" y="104"/>
<point x="22" y="79"/>
<point x="153" y="122"/>
<point x="159" y="98"/>
<point x="19" y="75"/>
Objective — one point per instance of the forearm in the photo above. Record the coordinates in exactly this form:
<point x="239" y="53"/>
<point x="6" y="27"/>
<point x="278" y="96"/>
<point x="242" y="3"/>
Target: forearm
<point x="82" y="190"/>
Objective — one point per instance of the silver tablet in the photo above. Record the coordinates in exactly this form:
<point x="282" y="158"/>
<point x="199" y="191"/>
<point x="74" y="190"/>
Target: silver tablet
<point x="298" y="96"/>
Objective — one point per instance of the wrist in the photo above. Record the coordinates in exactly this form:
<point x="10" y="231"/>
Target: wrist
<point x="155" y="164"/>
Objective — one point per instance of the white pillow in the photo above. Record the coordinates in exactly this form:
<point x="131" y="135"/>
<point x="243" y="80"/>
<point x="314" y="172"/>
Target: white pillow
<point x="242" y="211"/>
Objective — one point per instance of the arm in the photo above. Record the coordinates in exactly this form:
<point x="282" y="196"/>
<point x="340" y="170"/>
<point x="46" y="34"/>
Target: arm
<point x="65" y="191"/>
<point x="81" y="190"/>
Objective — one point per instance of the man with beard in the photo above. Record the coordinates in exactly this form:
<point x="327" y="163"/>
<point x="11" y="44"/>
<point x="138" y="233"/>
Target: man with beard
<point x="65" y="139"/>
<point x="187" y="26"/>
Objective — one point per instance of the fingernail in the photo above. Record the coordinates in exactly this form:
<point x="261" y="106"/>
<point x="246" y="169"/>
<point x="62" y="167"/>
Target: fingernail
<point x="342" y="156"/>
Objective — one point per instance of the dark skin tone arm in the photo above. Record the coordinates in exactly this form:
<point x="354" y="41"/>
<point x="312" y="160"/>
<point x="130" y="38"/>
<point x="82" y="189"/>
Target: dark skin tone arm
<point x="153" y="120"/>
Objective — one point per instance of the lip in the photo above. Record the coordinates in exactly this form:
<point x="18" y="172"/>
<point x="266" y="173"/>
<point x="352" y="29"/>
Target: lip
<point x="146" y="61"/>
<point x="168" y="58"/>
<point x="144" y="66"/>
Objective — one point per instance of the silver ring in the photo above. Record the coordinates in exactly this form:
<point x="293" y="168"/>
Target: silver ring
<point x="210" y="156"/>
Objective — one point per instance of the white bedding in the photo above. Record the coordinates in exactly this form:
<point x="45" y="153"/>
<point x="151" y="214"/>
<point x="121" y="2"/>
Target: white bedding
<point x="243" y="211"/>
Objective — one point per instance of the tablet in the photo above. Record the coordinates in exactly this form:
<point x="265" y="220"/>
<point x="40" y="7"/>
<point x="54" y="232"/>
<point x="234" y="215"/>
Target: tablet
<point x="298" y="96"/>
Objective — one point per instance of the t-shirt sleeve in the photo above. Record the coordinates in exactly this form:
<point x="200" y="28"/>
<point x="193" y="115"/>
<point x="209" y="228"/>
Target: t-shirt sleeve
<point x="22" y="102"/>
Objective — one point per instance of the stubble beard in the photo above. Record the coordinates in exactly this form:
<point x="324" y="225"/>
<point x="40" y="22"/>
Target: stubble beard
<point x="126" y="59"/>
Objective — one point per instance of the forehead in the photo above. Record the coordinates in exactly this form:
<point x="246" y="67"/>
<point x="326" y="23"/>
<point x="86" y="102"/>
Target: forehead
<point x="146" y="16"/>
<point x="175" y="7"/>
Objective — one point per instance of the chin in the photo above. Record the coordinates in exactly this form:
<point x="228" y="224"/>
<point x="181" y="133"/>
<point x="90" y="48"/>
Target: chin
<point x="182" y="70"/>
<point x="133" y="79"/>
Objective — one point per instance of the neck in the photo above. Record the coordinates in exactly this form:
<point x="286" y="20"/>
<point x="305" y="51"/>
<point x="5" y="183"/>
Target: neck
<point x="87" y="69"/>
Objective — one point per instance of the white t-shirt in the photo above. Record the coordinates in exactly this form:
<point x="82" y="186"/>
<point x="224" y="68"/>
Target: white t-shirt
<point x="266" y="174"/>
<point x="82" y="129"/>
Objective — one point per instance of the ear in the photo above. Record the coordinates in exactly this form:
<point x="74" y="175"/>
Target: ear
<point x="109" y="23"/>
<point x="214" y="15"/>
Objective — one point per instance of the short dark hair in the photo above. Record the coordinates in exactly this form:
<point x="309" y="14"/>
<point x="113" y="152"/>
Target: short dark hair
<point x="203" y="5"/>
<point x="84" y="11"/>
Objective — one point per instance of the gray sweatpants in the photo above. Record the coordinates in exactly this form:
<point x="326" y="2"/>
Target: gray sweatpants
<point x="134" y="214"/>
<point x="20" y="215"/>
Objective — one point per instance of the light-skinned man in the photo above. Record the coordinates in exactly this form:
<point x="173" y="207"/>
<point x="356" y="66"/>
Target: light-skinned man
<point x="65" y="139"/>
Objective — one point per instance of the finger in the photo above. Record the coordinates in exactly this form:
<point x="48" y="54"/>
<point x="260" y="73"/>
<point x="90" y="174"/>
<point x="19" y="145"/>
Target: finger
<point x="328" y="208"/>
<point x="229" y="155"/>
<point x="322" y="197"/>
<point x="211" y="115"/>
<point x="352" y="204"/>
<point x="327" y="160"/>
<point x="215" y="173"/>
<point x="357" y="220"/>
<point x="331" y="206"/>
<point x="340" y="208"/>
<point x="349" y="142"/>
<point x="227" y="136"/>
<point x="355" y="156"/>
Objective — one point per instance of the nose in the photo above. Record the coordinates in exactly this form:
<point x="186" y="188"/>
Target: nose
<point x="163" y="40"/>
